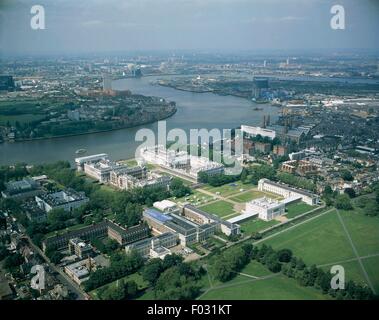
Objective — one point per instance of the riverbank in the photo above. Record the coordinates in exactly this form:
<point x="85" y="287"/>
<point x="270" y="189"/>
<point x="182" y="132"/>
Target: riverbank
<point x="95" y="131"/>
<point x="203" y="91"/>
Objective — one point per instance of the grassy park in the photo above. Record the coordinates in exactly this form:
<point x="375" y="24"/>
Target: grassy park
<point x="324" y="242"/>
<point x="220" y="208"/>
<point x="256" y="282"/>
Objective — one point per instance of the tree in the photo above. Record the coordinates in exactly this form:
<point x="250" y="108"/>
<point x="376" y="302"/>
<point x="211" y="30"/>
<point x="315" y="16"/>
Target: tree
<point x="328" y="192"/>
<point x="171" y="260"/>
<point x="222" y="269"/>
<point x="350" y="192"/>
<point x="244" y="175"/>
<point x="284" y="255"/>
<point x="3" y="252"/>
<point x="12" y="261"/>
<point x="55" y="257"/>
<point x="152" y="270"/>
<point x="131" y="289"/>
<point x="343" y="202"/>
<point x="346" y="175"/>
<point x="172" y="285"/>
<point x="178" y="189"/>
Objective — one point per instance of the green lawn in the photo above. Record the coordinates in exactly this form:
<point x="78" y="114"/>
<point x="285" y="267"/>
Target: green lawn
<point x="256" y="269"/>
<point x="220" y="208"/>
<point x="364" y="231"/>
<point x="142" y="285"/>
<point x="277" y="288"/>
<point x="255" y="225"/>
<point x="196" y="198"/>
<point x="230" y="188"/>
<point x="372" y="265"/>
<point x="323" y="241"/>
<point x="353" y="271"/>
<point x="248" y="196"/>
<point x="319" y="241"/>
<point x="295" y="209"/>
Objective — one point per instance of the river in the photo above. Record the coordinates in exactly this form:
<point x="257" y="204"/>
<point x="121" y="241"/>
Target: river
<point x="195" y="110"/>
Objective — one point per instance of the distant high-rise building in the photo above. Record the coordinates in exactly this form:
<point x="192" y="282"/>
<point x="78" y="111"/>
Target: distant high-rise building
<point x="264" y="122"/>
<point x="264" y="64"/>
<point x="6" y="83"/>
<point x="107" y="82"/>
<point x="137" y="72"/>
<point x="258" y="85"/>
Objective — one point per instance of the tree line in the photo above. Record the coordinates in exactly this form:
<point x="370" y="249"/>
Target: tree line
<point x="228" y="263"/>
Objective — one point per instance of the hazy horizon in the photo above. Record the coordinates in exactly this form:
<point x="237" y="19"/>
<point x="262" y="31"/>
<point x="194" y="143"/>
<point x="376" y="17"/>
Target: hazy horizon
<point x="105" y="26"/>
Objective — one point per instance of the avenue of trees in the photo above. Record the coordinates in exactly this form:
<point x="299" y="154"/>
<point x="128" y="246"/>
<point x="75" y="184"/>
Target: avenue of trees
<point x="228" y="263"/>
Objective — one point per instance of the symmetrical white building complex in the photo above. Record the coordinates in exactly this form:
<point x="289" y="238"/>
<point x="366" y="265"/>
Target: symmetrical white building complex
<point x="286" y="191"/>
<point x="180" y="161"/>
<point x="120" y="175"/>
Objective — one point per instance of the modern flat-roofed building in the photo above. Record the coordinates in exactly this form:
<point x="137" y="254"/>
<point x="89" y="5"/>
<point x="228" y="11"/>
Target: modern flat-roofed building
<point x="266" y="208"/>
<point x="164" y="240"/>
<point x="286" y="191"/>
<point x="187" y="230"/>
<point x="166" y="206"/>
<point x="67" y="200"/>
<point x="80" y="248"/>
<point x="199" y="216"/>
<point x="156" y="220"/>
<point x="78" y="271"/>
<point x="21" y="189"/>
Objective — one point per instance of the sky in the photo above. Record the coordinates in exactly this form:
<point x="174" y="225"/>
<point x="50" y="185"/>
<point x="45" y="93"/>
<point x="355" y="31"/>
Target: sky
<point x="90" y="26"/>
